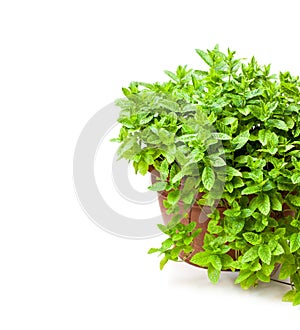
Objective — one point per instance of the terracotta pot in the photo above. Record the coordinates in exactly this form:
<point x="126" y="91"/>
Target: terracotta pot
<point x="198" y="214"/>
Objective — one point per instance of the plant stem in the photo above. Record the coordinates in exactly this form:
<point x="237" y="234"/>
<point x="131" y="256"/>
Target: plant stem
<point x="274" y="280"/>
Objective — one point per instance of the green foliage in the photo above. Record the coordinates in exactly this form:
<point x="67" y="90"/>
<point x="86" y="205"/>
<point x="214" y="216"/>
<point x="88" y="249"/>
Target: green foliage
<point x="180" y="238"/>
<point x="208" y="178"/>
<point x="232" y="133"/>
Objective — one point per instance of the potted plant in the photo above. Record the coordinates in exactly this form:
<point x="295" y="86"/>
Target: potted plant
<point x="223" y="146"/>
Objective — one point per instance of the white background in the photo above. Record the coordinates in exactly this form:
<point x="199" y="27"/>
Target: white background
<point x="60" y="62"/>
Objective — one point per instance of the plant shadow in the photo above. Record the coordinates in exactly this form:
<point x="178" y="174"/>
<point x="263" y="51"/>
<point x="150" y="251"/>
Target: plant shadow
<point x="184" y="277"/>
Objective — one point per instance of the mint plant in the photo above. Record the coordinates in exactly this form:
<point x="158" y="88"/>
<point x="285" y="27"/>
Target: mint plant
<point x="228" y="134"/>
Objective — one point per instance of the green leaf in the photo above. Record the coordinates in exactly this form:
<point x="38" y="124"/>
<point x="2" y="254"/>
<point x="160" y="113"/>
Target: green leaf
<point x="145" y="120"/>
<point x="239" y="141"/>
<point x="289" y="296"/>
<point x="251" y="254"/>
<point x="213" y="228"/>
<point x="276" y="204"/>
<point x="153" y="250"/>
<point x="196" y="232"/>
<point x="229" y="187"/>
<point x="177" y="237"/>
<point x="213" y="274"/>
<point x="227" y="261"/>
<point x="246" y="213"/>
<point x="221" y="136"/>
<point x="205" y="57"/>
<point x="296" y="300"/>
<point x="174" y="253"/>
<point x="263" y="136"/>
<point x="258" y="112"/>
<point x="265" y="254"/>
<point x="164" y="170"/>
<point x="267" y="269"/>
<point x="187" y="137"/>
<point x="201" y="259"/>
<point x="278" y="124"/>
<point x="253" y="93"/>
<point x="244" y="111"/>
<point x="165" y="136"/>
<point x="295" y="200"/>
<point x="190" y="227"/>
<point x="215" y="261"/>
<point x="249" y="282"/>
<point x="232" y="212"/>
<point x="243" y="275"/>
<point x="232" y="171"/>
<point x="172" y="75"/>
<point x="251" y="190"/>
<point x="177" y="177"/>
<point x="252" y="238"/>
<point x="229" y="120"/>
<point x="234" y="226"/>
<point x="295" y="178"/>
<point x="173" y="196"/>
<point x="188" y="240"/>
<point x="262" y="277"/>
<point x="217" y="161"/>
<point x="264" y="205"/>
<point x="208" y="178"/>
<point x="166" y="244"/>
<point x="295" y="280"/>
<point x="287" y="270"/>
<point x="278" y="250"/>
<point x="294" y="242"/>
<point x="272" y="243"/>
<point x="143" y="167"/>
<point x="158" y="186"/>
<point x="280" y="232"/>
<point x="126" y="91"/>
<point x="255" y="266"/>
<point x="163" y="262"/>
<point x="237" y="182"/>
<point x="295" y="223"/>
<point x="162" y="228"/>
<point x="188" y="249"/>
<point x="147" y="157"/>
<point x="261" y="222"/>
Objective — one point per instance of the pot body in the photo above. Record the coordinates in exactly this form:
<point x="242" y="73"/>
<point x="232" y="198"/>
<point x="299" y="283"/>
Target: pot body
<point x="199" y="214"/>
<point x="196" y="214"/>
